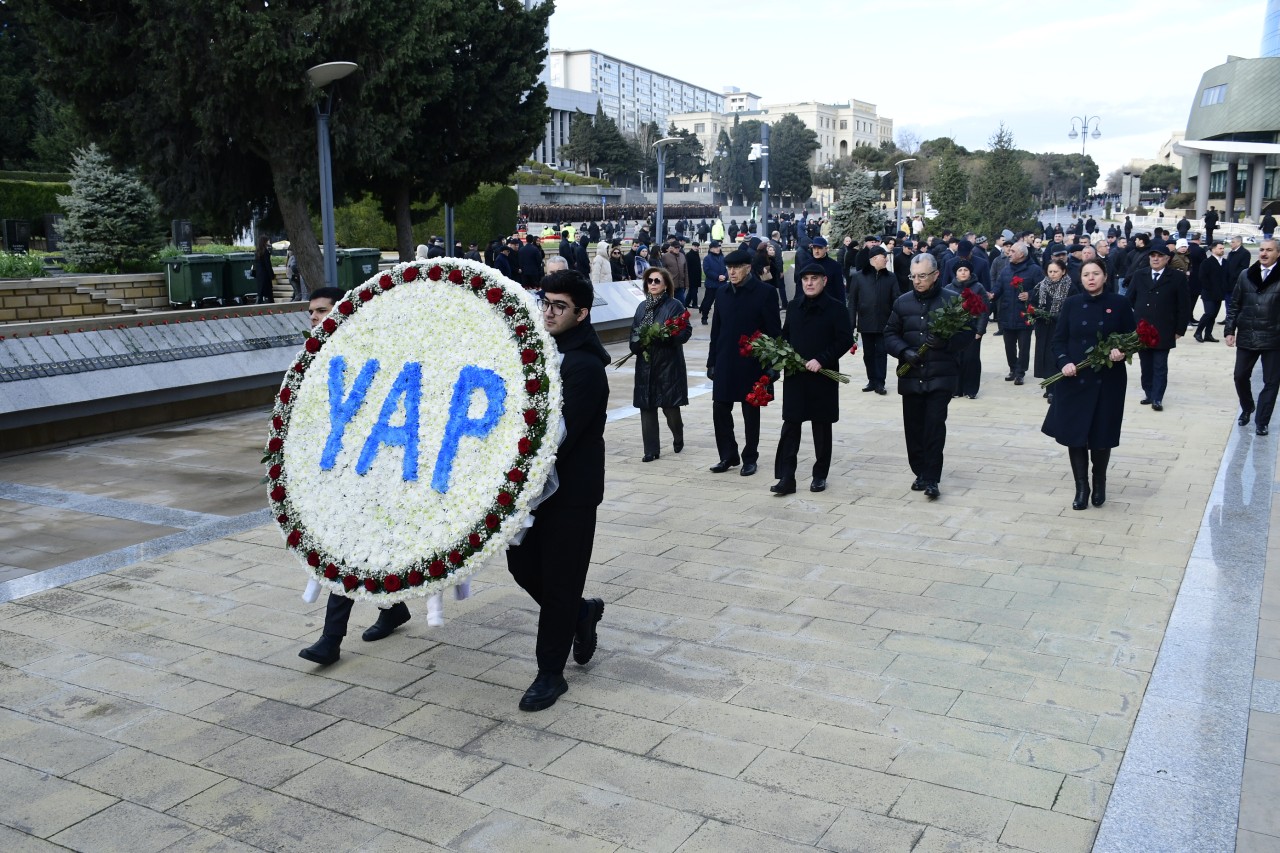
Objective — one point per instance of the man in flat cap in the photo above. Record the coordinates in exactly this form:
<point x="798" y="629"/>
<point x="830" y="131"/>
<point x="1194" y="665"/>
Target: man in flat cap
<point x="1159" y="295"/>
<point x="746" y="306"/>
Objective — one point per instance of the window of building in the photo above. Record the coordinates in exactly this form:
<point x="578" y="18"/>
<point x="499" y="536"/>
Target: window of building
<point x="699" y="127"/>
<point x="1213" y="95"/>
<point x="844" y="124"/>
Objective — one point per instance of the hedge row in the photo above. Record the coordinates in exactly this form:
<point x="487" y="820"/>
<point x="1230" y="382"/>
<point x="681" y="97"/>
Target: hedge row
<point x="42" y="177"/>
<point x="31" y="200"/>
<point x="490" y="212"/>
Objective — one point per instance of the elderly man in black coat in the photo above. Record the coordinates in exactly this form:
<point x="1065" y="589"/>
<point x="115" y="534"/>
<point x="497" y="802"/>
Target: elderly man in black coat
<point x="872" y="292"/>
<point x="1253" y="328"/>
<point x="928" y="386"/>
<point x="1214" y="284"/>
<point x="745" y="307"/>
<point x="1160" y="296"/>
<point x="818" y="329"/>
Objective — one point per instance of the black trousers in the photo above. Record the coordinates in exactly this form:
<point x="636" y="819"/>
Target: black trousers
<point x="924" y="420"/>
<point x="971" y="368"/>
<point x="649" y="428"/>
<point x="726" y="441"/>
<point x="1246" y="359"/>
<point x="551" y="565"/>
<point x="787" y="457"/>
<point x="1017" y="349"/>
<point x="1208" y="315"/>
<point x="691" y="296"/>
<point x="875" y="358"/>
<point x="337" y="613"/>
<point x="708" y="302"/>
<point x="1155" y="373"/>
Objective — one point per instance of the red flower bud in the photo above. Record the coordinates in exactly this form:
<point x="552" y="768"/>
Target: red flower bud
<point x="505" y="499"/>
<point x="295" y="538"/>
<point x="277" y="422"/>
<point x="491" y="521"/>
<point x="330" y="571"/>
<point x="455" y="276"/>
<point x="436" y="569"/>
<point x="345" y="307"/>
<point x="524" y="446"/>
<point x="386" y="281"/>
<point x="370" y="584"/>
<point x="275" y="444"/>
<point x="391" y="583"/>
<point x="365" y="296"/>
<point x="285" y="394"/>
<point x="493" y="294"/>
<point x="410" y="273"/>
<point x="435" y="273"/>
<point x="531" y="416"/>
<point x="415" y="578"/>
<point x="282" y="519"/>
<point x="330" y="325"/>
<point x="313" y="559"/>
<point x="515" y="475"/>
<point x="312" y="345"/>
<point x="477" y="281"/>
<point x="528" y="356"/>
<point x="455" y="557"/>
<point x="521" y="329"/>
<point x="533" y="386"/>
<point x="509" y="311"/>
<point x="474" y="540"/>
<point x="274" y="472"/>
<point x="350" y="582"/>
<point x="277" y="494"/>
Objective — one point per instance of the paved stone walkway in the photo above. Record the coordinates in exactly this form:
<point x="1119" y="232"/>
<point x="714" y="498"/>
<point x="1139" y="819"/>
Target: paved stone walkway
<point x="854" y="670"/>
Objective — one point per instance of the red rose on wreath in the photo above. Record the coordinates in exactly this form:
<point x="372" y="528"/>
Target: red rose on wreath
<point x="370" y="584"/>
<point x="491" y="521"/>
<point x="524" y="446"/>
<point x="330" y="571"/>
<point x="455" y="276"/>
<point x="386" y="281"/>
<point x="474" y="540"/>
<point x="282" y="519"/>
<point x="274" y="472"/>
<point x="295" y="538"/>
<point x="277" y="494"/>
<point x="312" y="345"/>
<point x="436" y="569"/>
<point x="505" y="499"/>
<point x="277" y="422"/>
<point x="330" y="325"/>
<point x="515" y="475"/>
<point x="521" y="329"/>
<point x="531" y="416"/>
<point x="455" y="557"/>
<point x="493" y="294"/>
<point x="410" y="273"/>
<point x="275" y="444"/>
<point x="345" y="308"/>
<point x="313" y="559"/>
<point x="350" y="582"/>
<point x="435" y="273"/>
<point x="285" y="394"/>
<point x="391" y="583"/>
<point x="365" y="296"/>
<point x="415" y="578"/>
<point x="533" y="386"/>
<point x="509" y="311"/>
<point x="477" y="282"/>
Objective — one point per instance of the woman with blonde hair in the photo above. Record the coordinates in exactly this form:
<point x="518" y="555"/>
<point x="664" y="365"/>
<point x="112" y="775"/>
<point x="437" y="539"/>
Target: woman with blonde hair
<point x="661" y="379"/>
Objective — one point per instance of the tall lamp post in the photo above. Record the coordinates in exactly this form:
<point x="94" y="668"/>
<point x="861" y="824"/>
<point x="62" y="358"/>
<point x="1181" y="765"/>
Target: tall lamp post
<point x="1083" y="133"/>
<point x="901" y="166"/>
<point x="661" y="147"/>
<point x="321" y="76"/>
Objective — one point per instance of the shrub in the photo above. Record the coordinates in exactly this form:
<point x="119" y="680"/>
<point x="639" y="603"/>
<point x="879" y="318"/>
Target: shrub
<point x="30" y="200"/>
<point x="488" y="213"/>
<point x="111" y="220"/>
<point x="20" y="266"/>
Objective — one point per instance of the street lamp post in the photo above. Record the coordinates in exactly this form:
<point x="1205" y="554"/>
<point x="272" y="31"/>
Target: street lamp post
<point x="1084" y="134"/>
<point x="764" y="180"/>
<point x="901" y="166"/>
<point x="661" y="148"/>
<point x="321" y="76"/>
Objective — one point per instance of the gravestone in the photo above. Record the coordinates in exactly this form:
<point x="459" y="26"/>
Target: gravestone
<point x="17" y="235"/>
<point x="181" y="235"/>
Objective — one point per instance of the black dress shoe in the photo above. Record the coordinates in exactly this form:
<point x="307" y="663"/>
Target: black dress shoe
<point x="1262" y="429"/>
<point x="1199" y="337"/>
<point x="326" y="650"/>
<point x="868" y="387"/>
<point x="931" y="491"/>
<point x="1010" y="378"/>
<point x="1145" y="401"/>
<point x="1017" y="380"/>
<point x="388" y="620"/>
<point x="677" y="446"/>
<point x="584" y="636"/>
<point x="704" y="321"/>
<point x="783" y="487"/>
<point x="918" y="485"/>
<point x="748" y="468"/>
<point x="722" y="466"/>
<point x="1243" y="420"/>
<point x="1210" y="339"/>
<point x="881" y="391"/>
<point x="1157" y="407"/>
<point x="819" y="484"/>
<point x="651" y="458"/>
<point x="543" y="693"/>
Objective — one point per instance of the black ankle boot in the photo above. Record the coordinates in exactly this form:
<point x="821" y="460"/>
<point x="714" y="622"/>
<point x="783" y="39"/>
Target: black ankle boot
<point x="388" y="620"/>
<point x="1100" y="460"/>
<point x="325" y="651"/>
<point x="545" y="690"/>
<point x="1080" y="471"/>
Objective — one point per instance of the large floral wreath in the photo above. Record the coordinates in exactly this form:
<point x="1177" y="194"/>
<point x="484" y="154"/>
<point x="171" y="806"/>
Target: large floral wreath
<point x="447" y="346"/>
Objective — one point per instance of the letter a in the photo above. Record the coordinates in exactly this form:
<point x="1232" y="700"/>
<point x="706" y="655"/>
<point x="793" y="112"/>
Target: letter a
<point x="409" y="386"/>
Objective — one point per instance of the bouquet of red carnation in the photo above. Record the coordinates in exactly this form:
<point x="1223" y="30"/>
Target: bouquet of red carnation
<point x="656" y="332"/>
<point x="759" y="395"/>
<point x="1028" y="310"/>
<point x="1099" y="355"/>
<point x="948" y="320"/>
<point x="777" y="354"/>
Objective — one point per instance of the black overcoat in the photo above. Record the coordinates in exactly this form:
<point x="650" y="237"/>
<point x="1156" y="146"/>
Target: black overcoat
<point x="661" y="381"/>
<point x="1214" y="283"/>
<point x="816" y="328"/>
<point x="906" y="330"/>
<point x="1088" y="408"/>
<point x="743" y="310"/>
<point x="1165" y="305"/>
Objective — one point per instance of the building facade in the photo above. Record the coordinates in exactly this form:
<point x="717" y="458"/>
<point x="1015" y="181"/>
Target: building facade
<point x="1271" y="29"/>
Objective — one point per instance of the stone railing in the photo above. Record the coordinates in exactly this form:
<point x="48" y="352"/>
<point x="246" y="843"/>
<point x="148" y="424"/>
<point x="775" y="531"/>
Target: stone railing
<point x="81" y="296"/>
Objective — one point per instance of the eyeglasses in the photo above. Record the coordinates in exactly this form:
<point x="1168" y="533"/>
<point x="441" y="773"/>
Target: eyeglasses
<point x="555" y="309"/>
<point x="923" y="276"/>
<point x="655" y="281"/>
<point x="616" y="254"/>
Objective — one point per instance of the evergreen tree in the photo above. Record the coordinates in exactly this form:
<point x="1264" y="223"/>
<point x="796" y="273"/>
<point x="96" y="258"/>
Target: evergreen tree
<point x="1001" y="196"/>
<point x="111" y="217"/>
<point x="857" y="212"/>
<point x="742" y="176"/>
<point x="950" y="192"/>
<point x="791" y="144"/>
<point x="582" y="145"/>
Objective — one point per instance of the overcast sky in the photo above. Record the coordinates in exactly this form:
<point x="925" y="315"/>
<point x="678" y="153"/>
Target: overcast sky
<point x="942" y="67"/>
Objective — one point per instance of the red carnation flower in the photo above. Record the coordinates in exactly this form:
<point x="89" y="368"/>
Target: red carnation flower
<point x="531" y="416"/>
<point x="277" y="422"/>
<point x="1148" y="336"/>
<point x="491" y="521"/>
<point x="274" y="471"/>
<point x="285" y="394"/>
<point x="391" y="583"/>
<point x="277" y="494"/>
<point x="436" y="569"/>
<point x="474" y="540"/>
<point x="455" y="276"/>
<point x="524" y="446"/>
<point x="505" y="499"/>
<point x="295" y="538"/>
<point x="435" y="273"/>
<point x="494" y="295"/>
<point x="385" y="281"/>
<point x="313" y="559"/>
<point x="350" y="582"/>
<point x="345" y="307"/>
<point x="509" y="311"/>
<point x="330" y="325"/>
<point x="455" y="557"/>
<point x="275" y="444"/>
<point x="477" y="282"/>
<point x="312" y="345"/>
<point x="370" y="584"/>
<point x="298" y="367"/>
<point x="365" y="296"/>
<point x="521" y="329"/>
<point x="330" y="571"/>
<point x="282" y="519"/>
<point x="415" y="578"/>
<point x="528" y="356"/>
<point x="410" y="273"/>
<point x="533" y="386"/>
<point x="515" y="475"/>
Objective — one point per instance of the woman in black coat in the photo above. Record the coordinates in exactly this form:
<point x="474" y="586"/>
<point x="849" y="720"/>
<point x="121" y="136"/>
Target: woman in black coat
<point x="970" y="356"/>
<point x="661" y="380"/>
<point x="263" y="273"/>
<point x="1047" y="297"/>
<point x="1087" y="410"/>
<point x="818" y="329"/>
<point x="767" y="266"/>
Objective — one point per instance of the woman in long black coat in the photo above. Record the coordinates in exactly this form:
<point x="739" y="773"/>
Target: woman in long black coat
<point x="661" y="379"/>
<point x="1047" y="297"/>
<point x="263" y="273"/>
<point x="819" y="330"/>
<point x="1087" y="411"/>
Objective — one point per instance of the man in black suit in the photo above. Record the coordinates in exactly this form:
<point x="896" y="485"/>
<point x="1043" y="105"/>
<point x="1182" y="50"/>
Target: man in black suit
<point x="530" y="262"/>
<point x="1213" y="286"/>
<point x="1159" y="295"/>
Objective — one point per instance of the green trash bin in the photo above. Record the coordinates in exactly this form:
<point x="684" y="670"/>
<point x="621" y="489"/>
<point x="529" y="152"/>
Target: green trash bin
<point x="361" y="265"/>
<point x="194" y="280"/>
<point x="239" y="278"/>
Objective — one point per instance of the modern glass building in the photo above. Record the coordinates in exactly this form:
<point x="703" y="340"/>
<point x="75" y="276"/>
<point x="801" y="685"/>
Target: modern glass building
<point x="1271" y="29"/>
